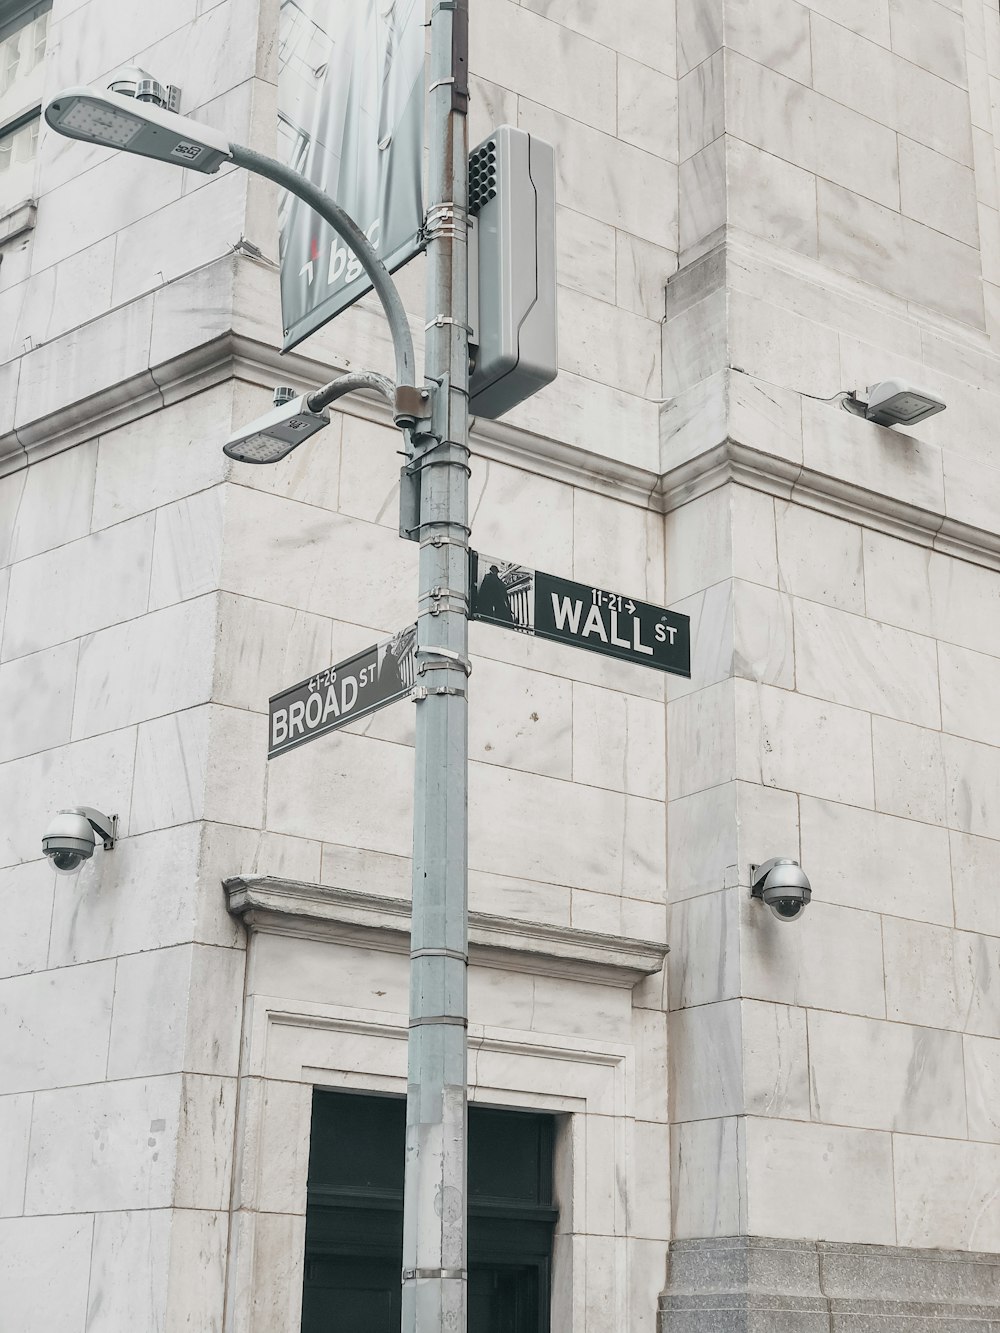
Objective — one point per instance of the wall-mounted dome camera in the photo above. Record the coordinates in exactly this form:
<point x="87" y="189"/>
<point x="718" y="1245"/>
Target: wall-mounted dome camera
<point x="70" y="838"/>
<point x="783" y="885"/>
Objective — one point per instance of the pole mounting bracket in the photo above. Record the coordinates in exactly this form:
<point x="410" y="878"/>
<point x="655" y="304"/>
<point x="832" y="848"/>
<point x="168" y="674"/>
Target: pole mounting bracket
<point x="451" y="659"/>
<point x="425" y="691"/>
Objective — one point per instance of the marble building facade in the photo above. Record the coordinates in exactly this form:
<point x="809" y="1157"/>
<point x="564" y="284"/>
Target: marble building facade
<point x="761" y="203"/>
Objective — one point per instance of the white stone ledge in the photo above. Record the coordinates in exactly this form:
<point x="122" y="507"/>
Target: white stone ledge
<point x="345" y="916"/>
<point x="710" y="464"/>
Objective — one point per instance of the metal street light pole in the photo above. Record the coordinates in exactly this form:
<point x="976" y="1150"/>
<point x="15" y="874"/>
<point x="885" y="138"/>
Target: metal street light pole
<point x="435" y="1202"/>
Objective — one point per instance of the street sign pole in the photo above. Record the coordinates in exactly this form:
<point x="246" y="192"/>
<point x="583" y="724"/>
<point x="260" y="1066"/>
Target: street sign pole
<point x="434" y="1294"/>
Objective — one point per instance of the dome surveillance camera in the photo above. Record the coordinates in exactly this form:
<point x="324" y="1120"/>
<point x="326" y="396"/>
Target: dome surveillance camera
<point x="69" y="839"/>
<point x="783" y="885"/>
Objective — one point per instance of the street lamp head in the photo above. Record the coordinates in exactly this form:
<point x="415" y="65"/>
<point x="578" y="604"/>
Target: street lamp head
<point x="271" y="438"/>
<point x="114" y="120"/>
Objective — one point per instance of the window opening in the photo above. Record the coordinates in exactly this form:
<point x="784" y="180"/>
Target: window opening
<point x="354" y="1218"/>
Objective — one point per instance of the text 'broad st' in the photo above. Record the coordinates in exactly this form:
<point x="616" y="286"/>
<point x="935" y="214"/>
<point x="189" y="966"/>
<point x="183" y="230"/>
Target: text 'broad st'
<point x="343" y="693"/>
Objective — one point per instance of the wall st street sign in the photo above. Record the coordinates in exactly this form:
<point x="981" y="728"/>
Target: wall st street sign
<point x="343" y="693"/>
<point x="532" y="602"/>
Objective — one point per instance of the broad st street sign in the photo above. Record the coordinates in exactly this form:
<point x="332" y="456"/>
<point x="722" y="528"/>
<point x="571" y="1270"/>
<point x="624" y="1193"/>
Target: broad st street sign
<point x="504" y="593"/>
<point x="353" y="688"/>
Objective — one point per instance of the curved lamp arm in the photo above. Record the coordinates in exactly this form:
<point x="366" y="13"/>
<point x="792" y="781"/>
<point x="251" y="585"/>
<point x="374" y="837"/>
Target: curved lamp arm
<point x="349" y="232"/>
<point x="358" y="379"/>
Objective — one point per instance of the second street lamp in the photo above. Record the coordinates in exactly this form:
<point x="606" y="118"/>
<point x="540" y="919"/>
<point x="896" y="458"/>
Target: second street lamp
<point x="435" y="426"/>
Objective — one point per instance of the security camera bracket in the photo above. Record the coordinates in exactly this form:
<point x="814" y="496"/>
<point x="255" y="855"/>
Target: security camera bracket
<point x="105" y="826"/>
<point x="758" y="874"/>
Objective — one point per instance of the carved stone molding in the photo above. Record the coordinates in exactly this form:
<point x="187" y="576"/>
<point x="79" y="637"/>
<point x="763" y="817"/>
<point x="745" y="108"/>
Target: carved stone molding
<point x="344" y="916"/>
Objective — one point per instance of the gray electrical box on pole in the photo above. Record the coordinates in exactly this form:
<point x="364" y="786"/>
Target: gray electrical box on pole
<point x="512" y="201"/>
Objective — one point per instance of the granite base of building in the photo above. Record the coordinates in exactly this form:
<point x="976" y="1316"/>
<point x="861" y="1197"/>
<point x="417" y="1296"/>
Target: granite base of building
<point x="752" y="1284"/>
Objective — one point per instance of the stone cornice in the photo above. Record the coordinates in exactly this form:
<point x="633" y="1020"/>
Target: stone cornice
<point x="345" y="916"/>
<point x="715" y="463"/>
<point x="730" y="461"/>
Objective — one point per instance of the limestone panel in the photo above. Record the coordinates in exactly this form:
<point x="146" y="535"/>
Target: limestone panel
<point x="836" y="963"/>
<point x="770" y="197"/>
<point x="819" y="557"/>
<point x="106" y="1147"/>
<point x="775" y="1060"/>
<point x="972" y="773"/>
<point x="85" y="585"/>
<point x="713" y="631"/>
<point x="263" y="647"/>
<point x="877" y="1075"/>
<point x="187" y="548"/>
<point x="641" y="272"/>
<point x="941" y="978"/>
<point x="511" y="45"/>
<point x="48" y="504"/>
<point x="931" y="36"/>
<point x="967" y="680"/>
<point x="134" y="671"/>
<point x="605" y="178"/>
<point x="982" y="1087"/>
<point x="802" y="744"/>
<point x="159" y="1270"/>
<point x="36" y="701"/>
<point x="877" y="863"/>
<point x="763" y="635"/>
<point x="704" y="963"/>
<point x="806" y="1178"/>
<point x="938" y="192"/>
<point x="861" y="73"/>
<point x="909" y="769"/>
<point x="45" y="1270"/>
<point x="701" y="741"/>
<point x="617" y="546"/>
<point x="56" y="1027"/>
<point x="585" y="254"/>
<point x="706" y="1195"/>
<point x="26" y="893"/>
<point x="706" y="1062"/>
<point x="975" y="870"/>
<point x="701" y="841"/>
<point x="946" y="1193"/>
<point x="618" y="742"/>
<point x="177" y="1009"/>
<point x="15" y="1127"/>
<point x="644" y="34"/>
<point x="151" y="462"/>
<point x="786" y="118"/>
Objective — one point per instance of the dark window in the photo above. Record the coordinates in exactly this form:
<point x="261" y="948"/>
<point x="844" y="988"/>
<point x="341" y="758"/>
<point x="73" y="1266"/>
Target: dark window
<point x="354" y="1219"/>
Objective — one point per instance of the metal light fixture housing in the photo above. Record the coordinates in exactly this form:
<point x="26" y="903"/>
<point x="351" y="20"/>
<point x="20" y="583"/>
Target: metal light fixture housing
<point x="783" y="886"/>
<point x="118" y="120"/>
<point x="70" y="837"/>
<point x="894" y="402"/>
<point x="272" y="437"/>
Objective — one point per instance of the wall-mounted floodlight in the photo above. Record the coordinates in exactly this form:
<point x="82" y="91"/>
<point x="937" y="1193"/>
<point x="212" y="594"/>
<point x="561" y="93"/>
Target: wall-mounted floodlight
<point x="69" y="839"/>
<point x="272" y="437"/>
<point x="783" y="886"/>
<point x="894" y="402"/>
<point x="117" y="120"/>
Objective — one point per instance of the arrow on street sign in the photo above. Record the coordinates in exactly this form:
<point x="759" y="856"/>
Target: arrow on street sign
<point x="343" y="693"/>
<point x="532" y="602"/>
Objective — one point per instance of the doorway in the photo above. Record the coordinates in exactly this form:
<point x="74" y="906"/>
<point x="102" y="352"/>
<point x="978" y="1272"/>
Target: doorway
<point x="354" y="1217"/>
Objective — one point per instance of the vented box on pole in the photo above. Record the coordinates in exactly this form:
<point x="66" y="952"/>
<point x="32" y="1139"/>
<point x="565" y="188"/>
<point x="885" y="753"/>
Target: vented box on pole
<point x="512" y="270"/>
